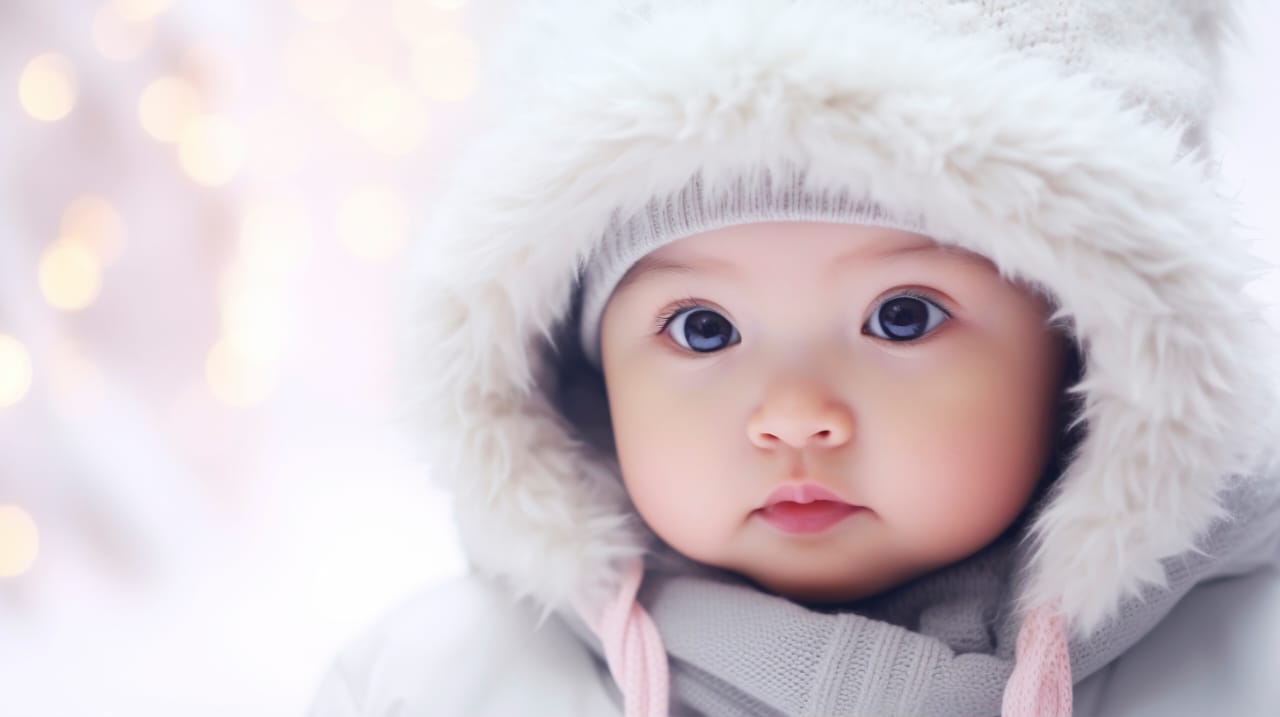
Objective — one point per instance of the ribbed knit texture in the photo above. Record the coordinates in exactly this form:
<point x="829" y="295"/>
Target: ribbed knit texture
<point x="759" y="198"/>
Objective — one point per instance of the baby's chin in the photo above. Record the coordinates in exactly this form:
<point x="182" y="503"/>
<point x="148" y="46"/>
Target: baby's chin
<point x="827" y="592"/>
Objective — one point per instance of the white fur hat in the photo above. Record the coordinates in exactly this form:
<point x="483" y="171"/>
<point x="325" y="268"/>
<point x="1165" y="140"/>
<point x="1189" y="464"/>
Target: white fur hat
<point x="1065" y="140"/>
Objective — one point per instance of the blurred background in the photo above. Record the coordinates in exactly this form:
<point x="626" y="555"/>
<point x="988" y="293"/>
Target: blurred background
<point x="204" y="489"/>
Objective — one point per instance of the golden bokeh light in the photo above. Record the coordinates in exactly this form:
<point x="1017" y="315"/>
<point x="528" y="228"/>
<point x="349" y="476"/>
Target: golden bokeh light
<point x="275" y="236"/>
<point x="95" y="223"/>
<point x="321" y="10"/>
<point x="211" y="150"/>
<point x="47" y="87"/>
<point x="15" y="370"/>
<point x="235" y="378"/>
<point x="446" y="66"/>
<point x="70" y="275"/>
<point x="19" y="541"/>
<point x="373" y="223"/>
<point x="254" y="326"/>
<point x="254" y="315"/>
<point x="167" y="106"/>
<point x="138" y="10"/>
<point x="385" y="114"/>
<point x="118" y="37"/>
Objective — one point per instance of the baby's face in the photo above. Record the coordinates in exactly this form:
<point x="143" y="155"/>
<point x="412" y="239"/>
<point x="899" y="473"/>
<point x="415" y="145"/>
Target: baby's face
<point x="907" y="378"/>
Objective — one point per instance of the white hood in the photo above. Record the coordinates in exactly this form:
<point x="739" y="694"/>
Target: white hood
<point x="1067" y="160"/>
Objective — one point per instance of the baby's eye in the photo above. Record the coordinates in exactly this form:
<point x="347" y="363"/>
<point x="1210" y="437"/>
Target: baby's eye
<point x="702" y="330"/>
<point x="905" y="317"/>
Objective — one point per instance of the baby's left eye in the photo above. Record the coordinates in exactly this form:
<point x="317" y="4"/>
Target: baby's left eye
<point x="905" y="317"/>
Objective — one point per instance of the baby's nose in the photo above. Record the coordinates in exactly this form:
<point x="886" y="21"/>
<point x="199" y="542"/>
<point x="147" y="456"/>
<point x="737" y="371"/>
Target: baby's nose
<point x="801" y="417"/>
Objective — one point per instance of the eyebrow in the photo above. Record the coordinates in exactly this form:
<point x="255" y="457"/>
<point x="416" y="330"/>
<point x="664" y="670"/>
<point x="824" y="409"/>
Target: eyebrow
<point x="652" y="266"/>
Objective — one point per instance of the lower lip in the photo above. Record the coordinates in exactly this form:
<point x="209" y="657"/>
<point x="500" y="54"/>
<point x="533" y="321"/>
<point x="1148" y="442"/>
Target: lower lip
<point x="807" y="518"/>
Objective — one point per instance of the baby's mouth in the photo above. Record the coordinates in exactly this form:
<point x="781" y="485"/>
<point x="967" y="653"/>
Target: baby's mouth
<point x="807" y="518"/>
<point x="805" y="508"/>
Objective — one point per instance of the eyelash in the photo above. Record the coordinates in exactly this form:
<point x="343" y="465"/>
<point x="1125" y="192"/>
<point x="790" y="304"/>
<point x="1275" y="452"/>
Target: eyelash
<point x="665" y="318"/>
<point x="689" y="302"/>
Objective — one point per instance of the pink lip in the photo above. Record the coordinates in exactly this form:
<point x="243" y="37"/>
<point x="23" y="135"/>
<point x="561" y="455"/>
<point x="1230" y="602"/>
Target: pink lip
<point x="805" y="508"/>
<point x="802" y="493"/>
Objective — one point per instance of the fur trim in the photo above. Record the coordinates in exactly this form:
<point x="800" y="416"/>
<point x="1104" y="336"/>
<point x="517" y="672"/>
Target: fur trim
<point x="1060" y="181"/>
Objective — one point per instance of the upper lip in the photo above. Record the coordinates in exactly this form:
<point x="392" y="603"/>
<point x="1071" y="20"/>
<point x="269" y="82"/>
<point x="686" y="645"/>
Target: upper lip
<point x="802" y="493"/>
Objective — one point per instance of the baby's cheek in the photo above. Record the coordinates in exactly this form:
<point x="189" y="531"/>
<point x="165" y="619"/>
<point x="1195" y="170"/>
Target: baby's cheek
<point x="974" y="487"/>
<point x="670" y="472"/>
<point x="966" y="455"/>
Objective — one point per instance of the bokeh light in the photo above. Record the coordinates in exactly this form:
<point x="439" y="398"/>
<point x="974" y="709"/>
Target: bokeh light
<point x="95" y="223"/>
<point x="274" y="240"/>
<point x="19" y="541"/>
<point x="167" y="106"/>
<point x="47" y="87"/>
<point x="237" y="378"/>
<point x="70" y="275"/>
<point x="119" y="37"/>
<point x="211" y="150"/>
<point x="15" y="370"/>
<point x="373" y="223"/>
<point x="254" y="327"/>
<point x="446" y="66"/>
<point x="382" y="112"/>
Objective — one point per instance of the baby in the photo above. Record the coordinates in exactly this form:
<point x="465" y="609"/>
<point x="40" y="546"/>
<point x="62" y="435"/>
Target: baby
<point x="830" y="410"/>
<point x="840" y="357"/>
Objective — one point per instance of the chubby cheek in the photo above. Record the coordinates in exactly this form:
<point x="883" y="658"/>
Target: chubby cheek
<point x="969" y="441"/>
<point x="671" y="467"/>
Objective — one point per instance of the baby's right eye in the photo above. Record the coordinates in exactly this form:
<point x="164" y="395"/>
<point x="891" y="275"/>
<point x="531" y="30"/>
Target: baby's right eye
<point x="701" y="330"/>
